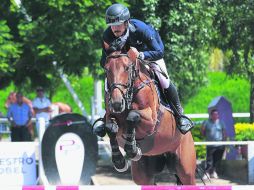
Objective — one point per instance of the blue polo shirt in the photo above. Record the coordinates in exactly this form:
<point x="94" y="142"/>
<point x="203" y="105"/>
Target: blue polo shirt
<point x="20" y="113"/>
<point x="214" y="130"/>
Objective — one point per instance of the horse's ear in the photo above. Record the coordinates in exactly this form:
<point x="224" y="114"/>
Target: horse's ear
<point x="106" y="46"/>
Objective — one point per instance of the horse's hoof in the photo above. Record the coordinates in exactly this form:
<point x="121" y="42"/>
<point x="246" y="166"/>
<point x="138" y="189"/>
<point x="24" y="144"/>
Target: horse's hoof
<point x="122" y="169"/>
<point x="112" y="127"/>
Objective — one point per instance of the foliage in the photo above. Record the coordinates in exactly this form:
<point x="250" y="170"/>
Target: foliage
<point x="9" y="53"/>
<point x="216" y="60"/>
<point x="84" y="89"/>
<point x="69" y="33"/>
<point x="234" y="34"/>
<point x="62" y="31"/>
<point x="219" y="84"/>
<point x="184" y="28"/>
<point x="244" y="131"/>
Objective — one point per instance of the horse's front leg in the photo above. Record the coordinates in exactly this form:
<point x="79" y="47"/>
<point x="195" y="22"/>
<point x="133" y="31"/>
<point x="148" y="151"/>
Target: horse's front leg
<point x="120" y="164"/>
<point x="132" y="150"/>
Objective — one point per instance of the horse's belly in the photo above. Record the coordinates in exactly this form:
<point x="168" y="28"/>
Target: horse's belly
<point x="156" y="144"/>
<point x="163" y="144"/>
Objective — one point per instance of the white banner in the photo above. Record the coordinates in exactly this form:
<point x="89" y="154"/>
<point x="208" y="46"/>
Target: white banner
<point x="17" y="163"/>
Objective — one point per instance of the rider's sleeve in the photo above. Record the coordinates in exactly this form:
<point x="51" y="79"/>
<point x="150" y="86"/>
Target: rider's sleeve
<point x="154" y="45"/>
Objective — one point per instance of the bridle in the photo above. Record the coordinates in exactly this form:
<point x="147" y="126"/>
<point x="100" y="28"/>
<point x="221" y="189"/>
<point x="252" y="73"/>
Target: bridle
<point x="129" y="86"/>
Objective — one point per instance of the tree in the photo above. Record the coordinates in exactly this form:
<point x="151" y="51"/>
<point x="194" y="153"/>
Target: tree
<point x="9" y="48"/>
<point x="65" y="31"/>
<point x="185" y="28"/>
<point x="234" y="24"/>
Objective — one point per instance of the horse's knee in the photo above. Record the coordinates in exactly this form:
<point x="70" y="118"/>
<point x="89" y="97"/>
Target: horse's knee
<point x="133" y="117"/>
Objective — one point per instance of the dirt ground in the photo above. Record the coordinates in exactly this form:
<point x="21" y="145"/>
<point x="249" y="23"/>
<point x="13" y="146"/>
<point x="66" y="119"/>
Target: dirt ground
<point x="107" y="175"/>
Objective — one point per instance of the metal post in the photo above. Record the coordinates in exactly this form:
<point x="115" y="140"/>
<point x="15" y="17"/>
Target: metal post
<point x="97" y="97"/>
<point x="251" y="162"/>
<point x="42" y="127"/>
<point x="71" y="90"/>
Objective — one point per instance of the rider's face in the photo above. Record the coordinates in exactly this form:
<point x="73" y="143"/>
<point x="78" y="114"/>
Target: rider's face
<point x="118" y="30"/>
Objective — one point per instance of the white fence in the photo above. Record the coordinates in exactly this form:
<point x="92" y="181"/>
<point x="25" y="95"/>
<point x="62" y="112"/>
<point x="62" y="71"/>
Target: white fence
<point x="249" y="144"/>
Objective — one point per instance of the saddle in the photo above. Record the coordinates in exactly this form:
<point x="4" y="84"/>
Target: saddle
<point x="159" y="89"/>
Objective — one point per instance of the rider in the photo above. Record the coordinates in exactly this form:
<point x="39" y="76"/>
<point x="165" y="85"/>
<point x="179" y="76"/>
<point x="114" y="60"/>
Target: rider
<point x="145" y="44"/>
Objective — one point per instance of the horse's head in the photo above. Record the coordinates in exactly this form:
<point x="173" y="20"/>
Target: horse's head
<point x="120" y="73"/>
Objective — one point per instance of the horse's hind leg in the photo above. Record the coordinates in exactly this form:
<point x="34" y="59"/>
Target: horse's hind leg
<point x="144" y="169"/>
<point x="186" y="165"/>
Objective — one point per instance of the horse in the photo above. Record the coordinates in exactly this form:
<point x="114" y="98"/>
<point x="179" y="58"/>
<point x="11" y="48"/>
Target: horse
<point x="146" y="130"/>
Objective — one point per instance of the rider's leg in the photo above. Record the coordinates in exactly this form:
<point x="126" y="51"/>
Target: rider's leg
<point x="184" y="124"/>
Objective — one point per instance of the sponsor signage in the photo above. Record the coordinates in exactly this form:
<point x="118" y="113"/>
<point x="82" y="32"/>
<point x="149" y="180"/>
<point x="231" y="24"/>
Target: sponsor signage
<point x="17" y="163"/>
<point x="69" y="150"/>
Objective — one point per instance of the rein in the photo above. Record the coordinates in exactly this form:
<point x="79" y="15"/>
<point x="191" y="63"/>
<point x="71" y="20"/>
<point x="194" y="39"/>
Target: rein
<point x="131" y="90"/>
<point x="132" y="75"/>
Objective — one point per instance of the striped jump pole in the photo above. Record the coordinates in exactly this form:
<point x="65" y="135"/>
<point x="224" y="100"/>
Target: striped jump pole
<point x="129" y="187"/>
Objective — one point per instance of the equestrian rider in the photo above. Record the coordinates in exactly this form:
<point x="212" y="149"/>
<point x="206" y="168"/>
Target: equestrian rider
<point x="145" y="44"/>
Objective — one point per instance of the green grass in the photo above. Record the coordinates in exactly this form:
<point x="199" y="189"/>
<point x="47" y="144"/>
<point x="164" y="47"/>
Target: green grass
<point x="84" y="89"/>
<point x="235" y="90"/>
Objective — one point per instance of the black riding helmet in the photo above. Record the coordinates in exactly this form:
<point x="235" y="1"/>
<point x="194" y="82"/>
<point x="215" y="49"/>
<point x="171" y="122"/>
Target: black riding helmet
<point x="117" y="14"/>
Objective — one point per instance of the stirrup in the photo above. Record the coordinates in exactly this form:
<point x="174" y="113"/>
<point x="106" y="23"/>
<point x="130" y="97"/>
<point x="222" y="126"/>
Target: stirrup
<point x="184" y="124"/>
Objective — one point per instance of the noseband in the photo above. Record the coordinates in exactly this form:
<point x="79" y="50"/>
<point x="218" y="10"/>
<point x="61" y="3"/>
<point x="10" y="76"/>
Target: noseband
<point x="132" y="75"/>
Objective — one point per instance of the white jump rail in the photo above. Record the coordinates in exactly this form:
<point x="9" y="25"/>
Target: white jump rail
<point x="130" y="187"/>
<point x="205" y="115"/>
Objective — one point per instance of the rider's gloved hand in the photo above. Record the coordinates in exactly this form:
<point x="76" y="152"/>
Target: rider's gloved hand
<point x="133" y="54"/>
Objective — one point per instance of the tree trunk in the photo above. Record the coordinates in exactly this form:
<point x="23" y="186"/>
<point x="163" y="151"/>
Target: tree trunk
<point x="252" y="98"/>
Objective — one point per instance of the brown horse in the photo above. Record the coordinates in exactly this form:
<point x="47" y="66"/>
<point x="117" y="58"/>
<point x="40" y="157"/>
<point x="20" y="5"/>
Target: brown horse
<point x="145" y="129"/>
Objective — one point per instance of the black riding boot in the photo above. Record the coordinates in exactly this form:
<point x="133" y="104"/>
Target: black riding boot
<point x="183" y="123"/>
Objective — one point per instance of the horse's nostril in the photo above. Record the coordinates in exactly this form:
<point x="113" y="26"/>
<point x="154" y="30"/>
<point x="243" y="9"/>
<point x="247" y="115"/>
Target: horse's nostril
<point x="117" y="106"/>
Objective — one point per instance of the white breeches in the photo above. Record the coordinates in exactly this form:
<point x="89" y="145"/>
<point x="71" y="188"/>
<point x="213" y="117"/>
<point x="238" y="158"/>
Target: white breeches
<point x="160" y="68"/>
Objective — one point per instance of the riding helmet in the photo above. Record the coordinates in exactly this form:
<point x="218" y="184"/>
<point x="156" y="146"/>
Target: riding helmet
<point x="117" y="14"/>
